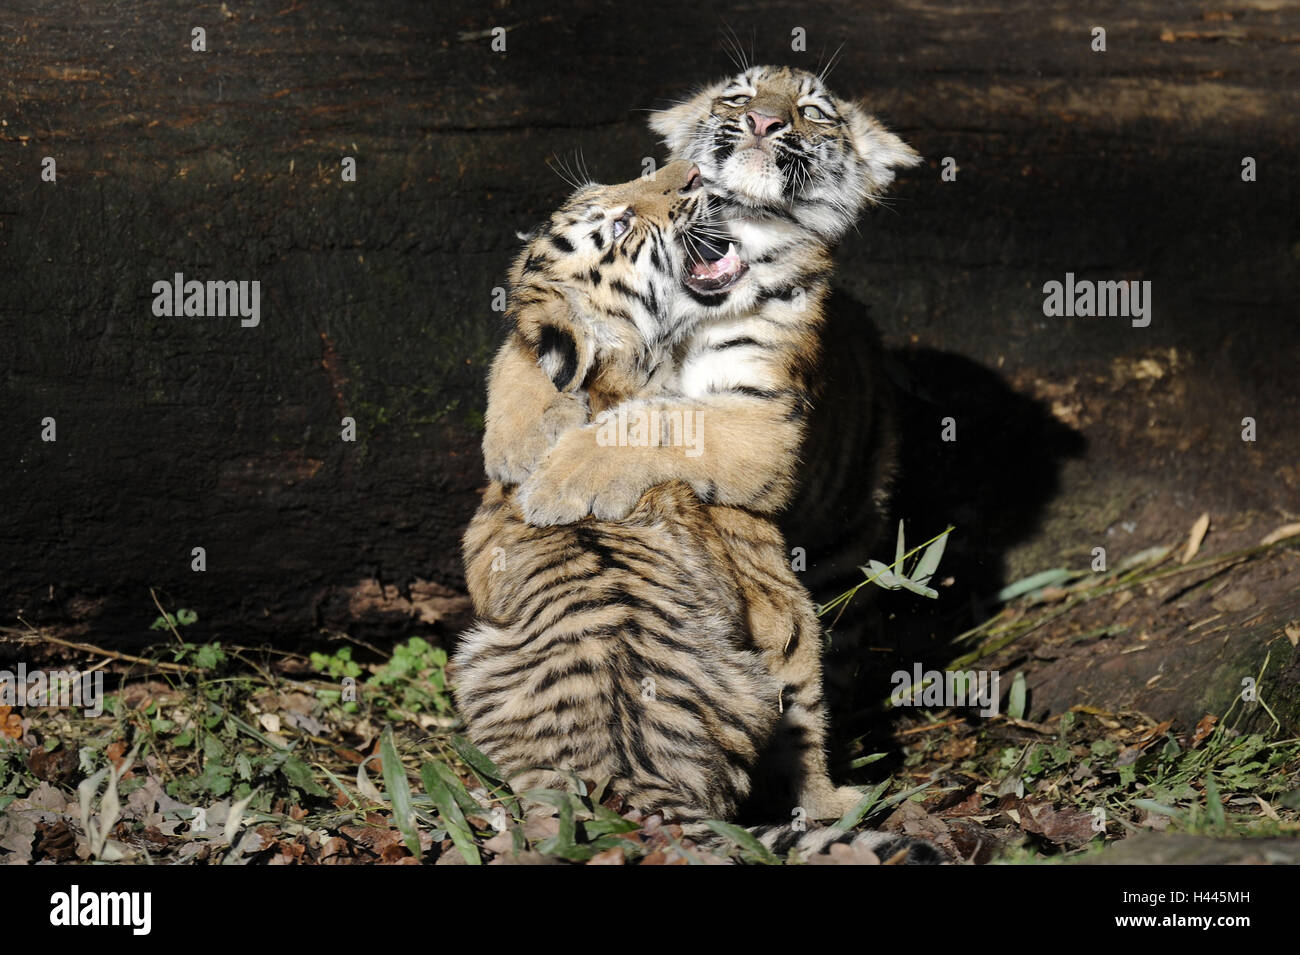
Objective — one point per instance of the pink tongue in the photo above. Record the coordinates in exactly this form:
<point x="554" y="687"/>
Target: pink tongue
<point x="712" y="270"/>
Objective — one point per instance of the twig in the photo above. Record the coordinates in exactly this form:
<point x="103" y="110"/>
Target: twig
<point x="928" y="727"/>
<point x="111" y="654"/>
<point x="167" y="619"/>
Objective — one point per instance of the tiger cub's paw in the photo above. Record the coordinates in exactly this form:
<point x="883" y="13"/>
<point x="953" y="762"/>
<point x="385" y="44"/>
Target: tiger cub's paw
<point x="511" y="458"/>
<point x="579" y="479"/>
<point x="825" y="800"/>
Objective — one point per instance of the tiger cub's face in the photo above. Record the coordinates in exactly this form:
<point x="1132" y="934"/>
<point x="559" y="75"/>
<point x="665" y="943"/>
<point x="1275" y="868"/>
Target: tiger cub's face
<point x="778" y="145"/>
<point x="620" y="272"/>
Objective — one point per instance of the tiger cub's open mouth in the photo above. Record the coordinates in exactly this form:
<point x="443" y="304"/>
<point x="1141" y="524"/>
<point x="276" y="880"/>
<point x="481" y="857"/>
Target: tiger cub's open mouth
<point x="712" y="263"/>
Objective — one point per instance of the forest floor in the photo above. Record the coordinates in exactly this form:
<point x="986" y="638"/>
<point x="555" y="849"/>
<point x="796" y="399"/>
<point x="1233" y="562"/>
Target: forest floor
<point x="349" y="754"/>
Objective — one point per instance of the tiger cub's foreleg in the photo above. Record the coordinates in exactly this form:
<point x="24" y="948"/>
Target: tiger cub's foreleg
<point x="783" y="623"/>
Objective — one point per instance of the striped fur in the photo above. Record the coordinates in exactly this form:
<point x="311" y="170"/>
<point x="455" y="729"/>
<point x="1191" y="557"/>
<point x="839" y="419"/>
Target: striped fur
<point x="576" y="616"/>
<point x="751" y="409"/>
<point x="599" y="653"/>
<point x="805" y="183"/>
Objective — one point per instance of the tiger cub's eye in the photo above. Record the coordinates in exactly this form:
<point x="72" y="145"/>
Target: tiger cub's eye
<point x="623" y="223"/>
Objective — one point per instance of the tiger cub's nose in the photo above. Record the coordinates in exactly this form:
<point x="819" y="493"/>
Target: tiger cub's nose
<point x="760" y="124"/>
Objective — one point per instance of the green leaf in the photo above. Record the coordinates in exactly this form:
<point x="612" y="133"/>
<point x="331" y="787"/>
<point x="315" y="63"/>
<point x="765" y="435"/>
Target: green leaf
<point x="929" y="562"/>
<point x="1067" y="721"/>
<point x="916" y="588"/>
<point x="338" y="784"/>
<point x="440" y="783"/>
<point x="745" y="841"/>
<point x="1034" y="582"/>
<point x="1101" y="748"/>
<point x="213" y="748"/>
<point x="1152" y="555"/>
<point x="475" y="759"/>
<point x="901" y="550"/>
<point x="299" y="775"/>
<point x="1016" y="698"/>
<point x="565" y="842"/>
<point x="1150" y="805"/>
<point x="866" y="760"/>
<point x="858" y="812"/>
<point x="215" y="779"/>
<point x="607" y="822"/>
<point x="895" y="799"/>
<point x="186" y="617"/>
<point x="1213" y="804"/>
<point x="210" y="656"/>
<point x="880" y="573"/>
<point x="399" y="791"/>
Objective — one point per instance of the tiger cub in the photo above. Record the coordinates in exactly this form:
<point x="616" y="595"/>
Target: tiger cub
<point x="621" y="649"/>
<point x="737" y="447"/>
<point x="793" y="164"/>
<point x="598" y="649"/>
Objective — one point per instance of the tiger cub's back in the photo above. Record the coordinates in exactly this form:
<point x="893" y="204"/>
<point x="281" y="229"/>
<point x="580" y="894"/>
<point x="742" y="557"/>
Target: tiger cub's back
<point x="599" y="651"/>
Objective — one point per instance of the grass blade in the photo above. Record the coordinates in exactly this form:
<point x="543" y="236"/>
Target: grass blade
<point x="440" y="783"/>
<point x="745" y="841"/>
<point x="1033" y="582"/>
<point x="399" y="791"/>
<point x="476" y="760"/>
<point x="1016" y="698"/>
<point x="858" y="812"/>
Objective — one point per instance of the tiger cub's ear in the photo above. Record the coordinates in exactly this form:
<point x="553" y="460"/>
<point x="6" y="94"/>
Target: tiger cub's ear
<point x="880" y="150"/>
<point x="678" y="123"/>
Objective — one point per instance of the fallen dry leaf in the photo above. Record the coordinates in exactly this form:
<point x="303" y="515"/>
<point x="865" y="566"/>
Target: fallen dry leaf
<point x="56" y="766"/>
<point x="911" y="819"/>
<point x="840" y="854"/>
<point x="11" y="724"/>
<point x="1064" y="826"/>
<point x="1268" y="810"/>
<point x="1195" y="537"/>
<point x="116" y="753"/>
<point x="1154" y="733"/>
<point x="970" y="806"/>
<point x="1281" y="534"/>
<point x="500" y="843"/>
<point x="1204" y="727"/>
